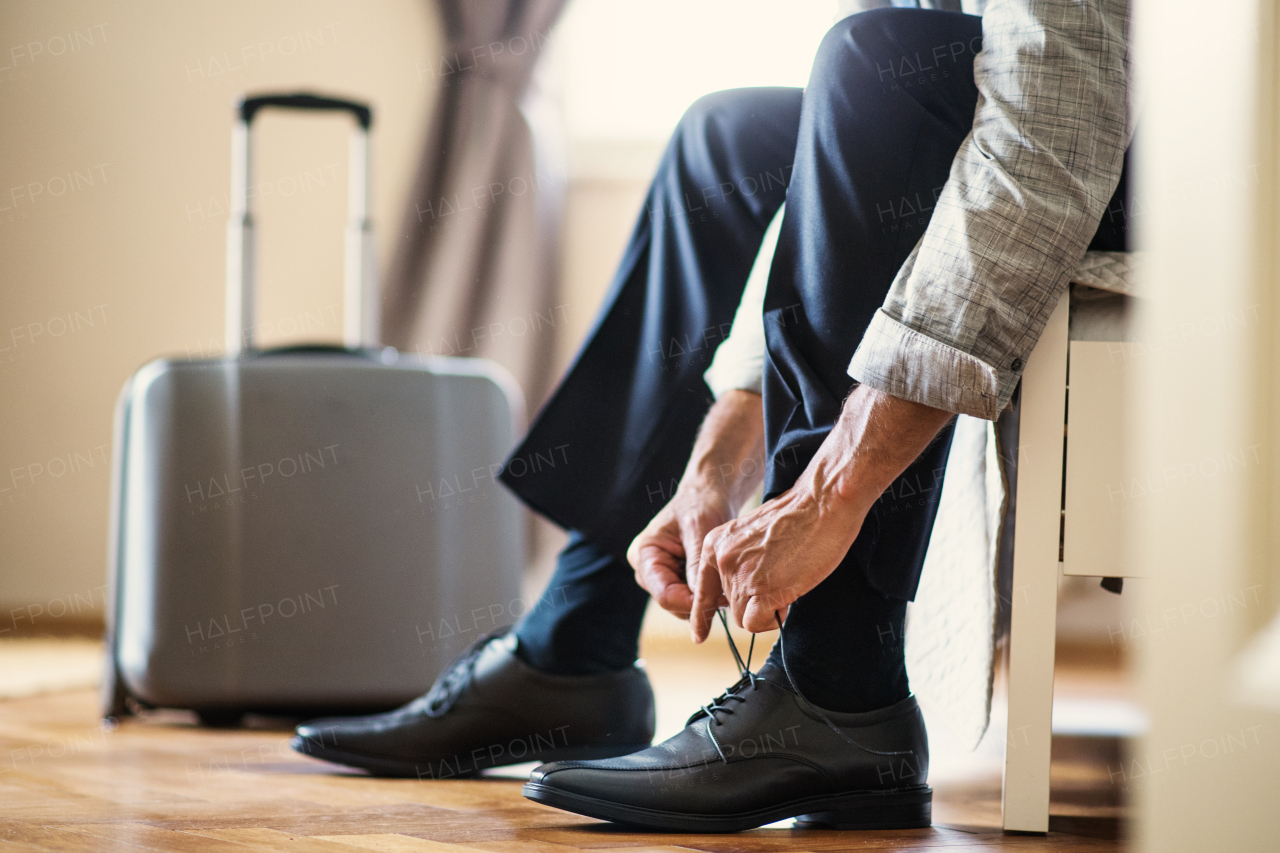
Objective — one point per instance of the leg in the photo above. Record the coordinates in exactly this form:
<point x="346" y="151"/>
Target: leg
<point x="891" y="176"/>
<point x="868" y="140"/>
<point x="620" y="427"/>
<point x="875" y="148"/>
<point x="627" y="413"/>
<point x="628" y="410"/>
<point x="1032" y="628"/>
<point x="588" y="618"/>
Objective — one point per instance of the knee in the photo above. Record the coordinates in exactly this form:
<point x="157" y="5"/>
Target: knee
<point x="869" y="48"/>
<point x="853" y="48"/>
<point x="713" y="114"/>
<point x="724" y="127"/>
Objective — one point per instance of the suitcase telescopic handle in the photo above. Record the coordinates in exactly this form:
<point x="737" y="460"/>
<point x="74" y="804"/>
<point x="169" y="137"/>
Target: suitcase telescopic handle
<point x="360" y="292"/>
<point x="305" y="101"/>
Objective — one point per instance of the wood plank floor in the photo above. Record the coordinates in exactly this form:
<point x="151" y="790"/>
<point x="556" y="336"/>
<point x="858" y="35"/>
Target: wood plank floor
<point x="162" y="783"/>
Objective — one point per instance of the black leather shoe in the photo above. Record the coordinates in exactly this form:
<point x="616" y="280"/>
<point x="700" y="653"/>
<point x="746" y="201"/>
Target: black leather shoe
<point x="490" y="709"/>
<point x="758" y="754"/>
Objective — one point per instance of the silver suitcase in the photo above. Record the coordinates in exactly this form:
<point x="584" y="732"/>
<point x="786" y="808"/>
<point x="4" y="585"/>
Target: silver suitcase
<point x="312" y="529"/>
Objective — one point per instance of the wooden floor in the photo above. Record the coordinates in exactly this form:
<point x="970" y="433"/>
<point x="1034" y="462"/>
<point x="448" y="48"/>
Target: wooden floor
<point x="69" y="784"/>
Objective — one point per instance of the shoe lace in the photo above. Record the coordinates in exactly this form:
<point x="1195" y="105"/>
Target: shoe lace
<point x="453" y="681"/>
<point x="747" y="677"/>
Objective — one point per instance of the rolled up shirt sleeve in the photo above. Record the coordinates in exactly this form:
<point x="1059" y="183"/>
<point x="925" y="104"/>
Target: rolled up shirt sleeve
<point x="1026" y="192"/>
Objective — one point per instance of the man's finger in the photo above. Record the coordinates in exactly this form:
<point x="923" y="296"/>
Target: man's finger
<point x="737" y="608"/>
<point x="676" y="599"/>
<point x="757" y="614"/>
<point x="637" y="545"/>
<point x="658" y="570"/>
<point x="673" y="597"/>
<point x="695" y="537"/>
<point x="707" y="596"/>
<point x="736" y="590"/>
<point x="661" y="532"/>
<point x="692" y="536"/>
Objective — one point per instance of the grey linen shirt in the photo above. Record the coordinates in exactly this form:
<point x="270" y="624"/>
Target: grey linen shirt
<point x="1027" y="189"/>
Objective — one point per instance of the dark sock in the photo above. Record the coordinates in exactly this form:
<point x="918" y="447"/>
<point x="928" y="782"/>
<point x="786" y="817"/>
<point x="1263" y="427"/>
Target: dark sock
<point x="844" y="644"/>
<point x="588" y="618"/>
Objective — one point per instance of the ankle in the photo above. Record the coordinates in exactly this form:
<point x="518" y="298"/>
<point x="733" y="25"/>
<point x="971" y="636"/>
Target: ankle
<point x="546" y="659"/>
<point x="843" y="687"/>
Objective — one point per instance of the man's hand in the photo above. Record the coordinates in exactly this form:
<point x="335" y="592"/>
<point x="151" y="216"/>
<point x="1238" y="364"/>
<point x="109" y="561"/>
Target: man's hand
<point x="763" y="562"/>
<point x="660" y="554"/>
<point x="726" y="465"/>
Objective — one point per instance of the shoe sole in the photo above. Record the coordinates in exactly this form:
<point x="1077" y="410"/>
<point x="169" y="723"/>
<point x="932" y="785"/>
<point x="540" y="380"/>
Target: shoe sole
<point x="902" y="808"/>
<point x="404" y="769"/>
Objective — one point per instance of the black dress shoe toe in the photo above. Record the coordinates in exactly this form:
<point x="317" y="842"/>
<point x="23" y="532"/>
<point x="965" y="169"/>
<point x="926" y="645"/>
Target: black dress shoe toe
<point x="758" y="754"/>
<point x="490" y="709"/>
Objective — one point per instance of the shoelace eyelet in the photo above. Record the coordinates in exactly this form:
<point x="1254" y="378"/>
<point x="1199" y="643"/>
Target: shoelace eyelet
<point x="454" y="680"/>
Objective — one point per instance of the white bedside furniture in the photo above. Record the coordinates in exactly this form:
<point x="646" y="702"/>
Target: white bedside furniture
<point x="1087" y="524"/>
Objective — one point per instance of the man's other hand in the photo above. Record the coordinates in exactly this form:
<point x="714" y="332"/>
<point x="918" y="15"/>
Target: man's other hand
<point x="725" y="467"/>
<point x="660" y="554"/>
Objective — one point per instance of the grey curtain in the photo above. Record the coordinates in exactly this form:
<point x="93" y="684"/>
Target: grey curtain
<point x="473" y="273"/>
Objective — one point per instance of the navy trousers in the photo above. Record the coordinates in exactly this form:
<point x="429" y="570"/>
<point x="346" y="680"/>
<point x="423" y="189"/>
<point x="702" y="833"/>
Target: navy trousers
<point x="860" y="157"/>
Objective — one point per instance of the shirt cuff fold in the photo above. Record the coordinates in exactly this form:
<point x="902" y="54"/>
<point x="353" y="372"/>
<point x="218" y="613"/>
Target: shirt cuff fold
<point x="723" y="377"/>
<point x="898" y="360"/>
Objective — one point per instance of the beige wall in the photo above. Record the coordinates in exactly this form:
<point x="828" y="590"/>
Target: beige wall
<point x="599" y="216"/>
<point x="102" y="272"/>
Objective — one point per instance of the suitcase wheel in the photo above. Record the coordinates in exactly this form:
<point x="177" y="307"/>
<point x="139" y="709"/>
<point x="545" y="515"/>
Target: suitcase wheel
<point x="220" y="718"/>
<point x="114" y="695"/>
